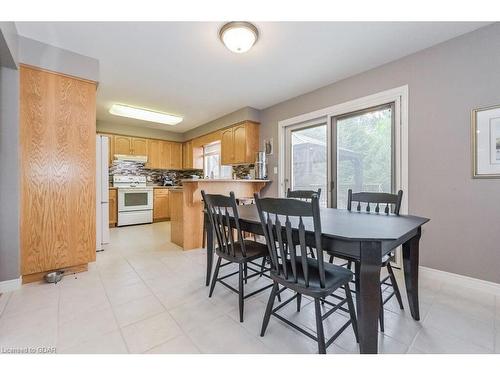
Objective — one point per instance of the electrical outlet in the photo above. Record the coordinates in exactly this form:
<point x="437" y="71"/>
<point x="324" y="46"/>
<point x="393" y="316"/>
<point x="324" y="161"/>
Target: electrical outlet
<point x="275" y="170"/>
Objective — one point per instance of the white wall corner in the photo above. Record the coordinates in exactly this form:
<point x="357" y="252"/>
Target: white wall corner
<point x="10" y="285"/>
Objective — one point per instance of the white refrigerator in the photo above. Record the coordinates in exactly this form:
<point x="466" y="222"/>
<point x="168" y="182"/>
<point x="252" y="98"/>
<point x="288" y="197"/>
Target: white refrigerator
<point x="102" y="193"/>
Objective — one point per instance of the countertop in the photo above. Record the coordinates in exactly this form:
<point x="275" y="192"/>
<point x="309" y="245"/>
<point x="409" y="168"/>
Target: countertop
<point x="157" y="187"/>
<point x="219" y="180"/>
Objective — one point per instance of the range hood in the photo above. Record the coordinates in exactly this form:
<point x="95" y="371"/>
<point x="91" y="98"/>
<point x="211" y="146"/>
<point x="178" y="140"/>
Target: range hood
<point x="136" y="158"/>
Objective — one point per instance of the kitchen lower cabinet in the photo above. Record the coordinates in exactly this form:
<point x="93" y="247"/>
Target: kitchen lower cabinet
<point x="161" y="204"/>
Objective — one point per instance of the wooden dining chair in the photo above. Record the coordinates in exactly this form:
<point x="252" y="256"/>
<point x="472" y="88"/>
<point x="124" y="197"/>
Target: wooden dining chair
<point x="306" y="196"/>
<point x="284" y="225"/>
<point x="232" y="246"/>
<point x="379" y="203"/>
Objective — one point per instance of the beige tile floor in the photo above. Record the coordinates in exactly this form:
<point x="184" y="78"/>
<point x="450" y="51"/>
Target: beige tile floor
<point x="145" y="295"/>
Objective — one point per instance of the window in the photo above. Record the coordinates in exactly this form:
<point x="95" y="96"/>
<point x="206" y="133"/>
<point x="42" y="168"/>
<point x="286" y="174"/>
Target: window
<point x="211" y="162"/>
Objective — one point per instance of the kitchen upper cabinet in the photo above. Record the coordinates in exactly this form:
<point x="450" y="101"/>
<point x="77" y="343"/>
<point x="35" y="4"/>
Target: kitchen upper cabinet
<point x="139" y="146"/>
<point x="187" y="155"/>
<point x="113" y="207"/>
<point x="176" y="155"/>
<point x="161" y="204"/>
<point x="122" y="145"/>
<point x="154" y="154"/>
<point x="165" y="154"/>
<point x="227" y="146"/>
<point x="239" y="143"/>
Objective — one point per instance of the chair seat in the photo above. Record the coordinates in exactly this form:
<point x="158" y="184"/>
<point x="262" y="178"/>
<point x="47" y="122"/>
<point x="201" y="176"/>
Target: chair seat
<point x="335" y="277"/>
<point x="254" y="250"/>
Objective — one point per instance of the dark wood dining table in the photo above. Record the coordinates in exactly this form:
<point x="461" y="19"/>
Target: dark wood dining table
<point x="364" y="238"/>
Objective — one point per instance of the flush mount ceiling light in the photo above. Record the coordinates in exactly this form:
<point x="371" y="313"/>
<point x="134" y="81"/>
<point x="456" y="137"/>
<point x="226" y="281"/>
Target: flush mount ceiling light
<point x="144" y="114"/>
<point x="238" y="37"/>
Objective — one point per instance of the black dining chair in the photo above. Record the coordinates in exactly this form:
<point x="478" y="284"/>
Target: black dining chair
<point x="284" y="225"/>
<point x="306" y="196"/>
<point x="232" y="246"/>
<point x="379" y="203"/>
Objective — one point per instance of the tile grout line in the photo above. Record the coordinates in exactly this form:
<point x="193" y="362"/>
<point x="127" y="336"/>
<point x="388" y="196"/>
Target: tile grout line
<point x="166" y="311"/>
<point x="113" y="311"/>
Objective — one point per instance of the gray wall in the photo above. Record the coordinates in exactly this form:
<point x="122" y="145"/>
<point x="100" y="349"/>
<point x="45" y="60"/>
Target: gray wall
<point x="138" y="131"/>
<point x="8" y="45"/>
<point x="445" y="83"/>
<point x="246" y="113"/>
<point x="9" y="151"/>
<point x="32" y="52"/>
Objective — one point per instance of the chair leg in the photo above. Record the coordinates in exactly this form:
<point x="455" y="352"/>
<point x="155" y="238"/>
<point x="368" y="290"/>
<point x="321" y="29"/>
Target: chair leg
<point x="312" y="253"/>
<point x="381" y="312"/>
<point x="246" y="273"/>
<point x="263" y="265"/>
<point x="395" y="285"/>
<point x="319" y="327"/>
<point x="269" y="308"/>
<point x="299" y="299"/>
<point x="240" y="290"/>
<point x="349" y="265"/>
<point x="214" y="277"/>
<point x="331" y="259"/>
<point x="352" y="311"/>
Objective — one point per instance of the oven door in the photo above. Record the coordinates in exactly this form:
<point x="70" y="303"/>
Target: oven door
<point x="136" y="199"/>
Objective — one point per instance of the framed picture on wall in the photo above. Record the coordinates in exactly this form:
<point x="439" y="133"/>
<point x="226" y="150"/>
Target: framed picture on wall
<point x="486" y="142"/>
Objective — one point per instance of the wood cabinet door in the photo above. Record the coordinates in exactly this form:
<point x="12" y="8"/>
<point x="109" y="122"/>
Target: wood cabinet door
<point x="165" y="154"/>
<point x="187" y="155"/>
<point x="153" y="154"/>
<point x="227" y="146"/>
<point x="139" y="146"/>
<point x="176" y="155"/>
<point x="122" y="145"/>
<point x="113" y="207"/>
<point x="239" y="144"/>
<point x="57" y="128"/>
<point x="161" y="207"/>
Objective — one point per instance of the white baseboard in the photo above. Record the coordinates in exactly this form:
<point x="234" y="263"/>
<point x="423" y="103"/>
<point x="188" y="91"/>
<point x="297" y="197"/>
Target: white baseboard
<point x="465" y="281"/>
<point x="10" y="285"/>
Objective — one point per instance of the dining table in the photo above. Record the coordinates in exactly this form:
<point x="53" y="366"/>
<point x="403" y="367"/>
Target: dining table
<point x="364" y="238"/>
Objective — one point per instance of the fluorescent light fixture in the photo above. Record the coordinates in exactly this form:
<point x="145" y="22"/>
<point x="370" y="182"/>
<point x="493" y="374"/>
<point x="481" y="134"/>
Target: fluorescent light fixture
<point x="238" y="37"/>
<point x="144" y="114"/>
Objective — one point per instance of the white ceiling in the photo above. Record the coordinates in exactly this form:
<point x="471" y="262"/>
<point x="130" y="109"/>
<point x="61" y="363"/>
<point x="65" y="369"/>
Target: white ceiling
<point x="182" y="68"/>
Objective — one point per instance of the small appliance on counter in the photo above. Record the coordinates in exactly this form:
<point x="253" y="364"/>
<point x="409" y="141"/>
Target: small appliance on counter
<point x="167" y="181"/>
<point x="260" y="166"/>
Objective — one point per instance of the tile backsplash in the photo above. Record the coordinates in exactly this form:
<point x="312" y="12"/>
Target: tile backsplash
<point x="121" y="167"/>
<point x="133" y="168"/>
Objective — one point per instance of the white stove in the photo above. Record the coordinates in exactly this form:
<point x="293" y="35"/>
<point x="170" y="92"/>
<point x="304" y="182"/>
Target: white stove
<point x="135" y="200"/>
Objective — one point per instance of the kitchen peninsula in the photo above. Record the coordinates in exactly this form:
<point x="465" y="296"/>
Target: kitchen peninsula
<point x="187" y="207"/>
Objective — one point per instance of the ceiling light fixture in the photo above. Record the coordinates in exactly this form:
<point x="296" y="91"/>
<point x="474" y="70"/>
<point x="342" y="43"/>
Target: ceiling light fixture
<point x="239" y="37"/>
<point x="144" y="114"/>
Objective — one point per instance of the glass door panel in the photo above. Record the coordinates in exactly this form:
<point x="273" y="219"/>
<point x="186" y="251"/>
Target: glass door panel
<point x="363" y="143"/>
<point x="308" y="155"/>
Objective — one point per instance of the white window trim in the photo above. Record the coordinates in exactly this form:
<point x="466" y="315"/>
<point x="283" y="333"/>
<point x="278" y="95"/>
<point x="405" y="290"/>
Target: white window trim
<point x="398" y="95"/>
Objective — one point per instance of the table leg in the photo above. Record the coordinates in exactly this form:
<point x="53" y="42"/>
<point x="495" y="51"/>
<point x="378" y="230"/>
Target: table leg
<point x="368" y="296"/>
<point x="210" y="249"/>
<point x="410" y="266"/>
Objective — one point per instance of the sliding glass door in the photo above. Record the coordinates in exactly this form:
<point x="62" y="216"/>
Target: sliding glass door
<point x="350" y="151"/>
<point x="307" y="159"/>
<point x="362" y="153"/>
